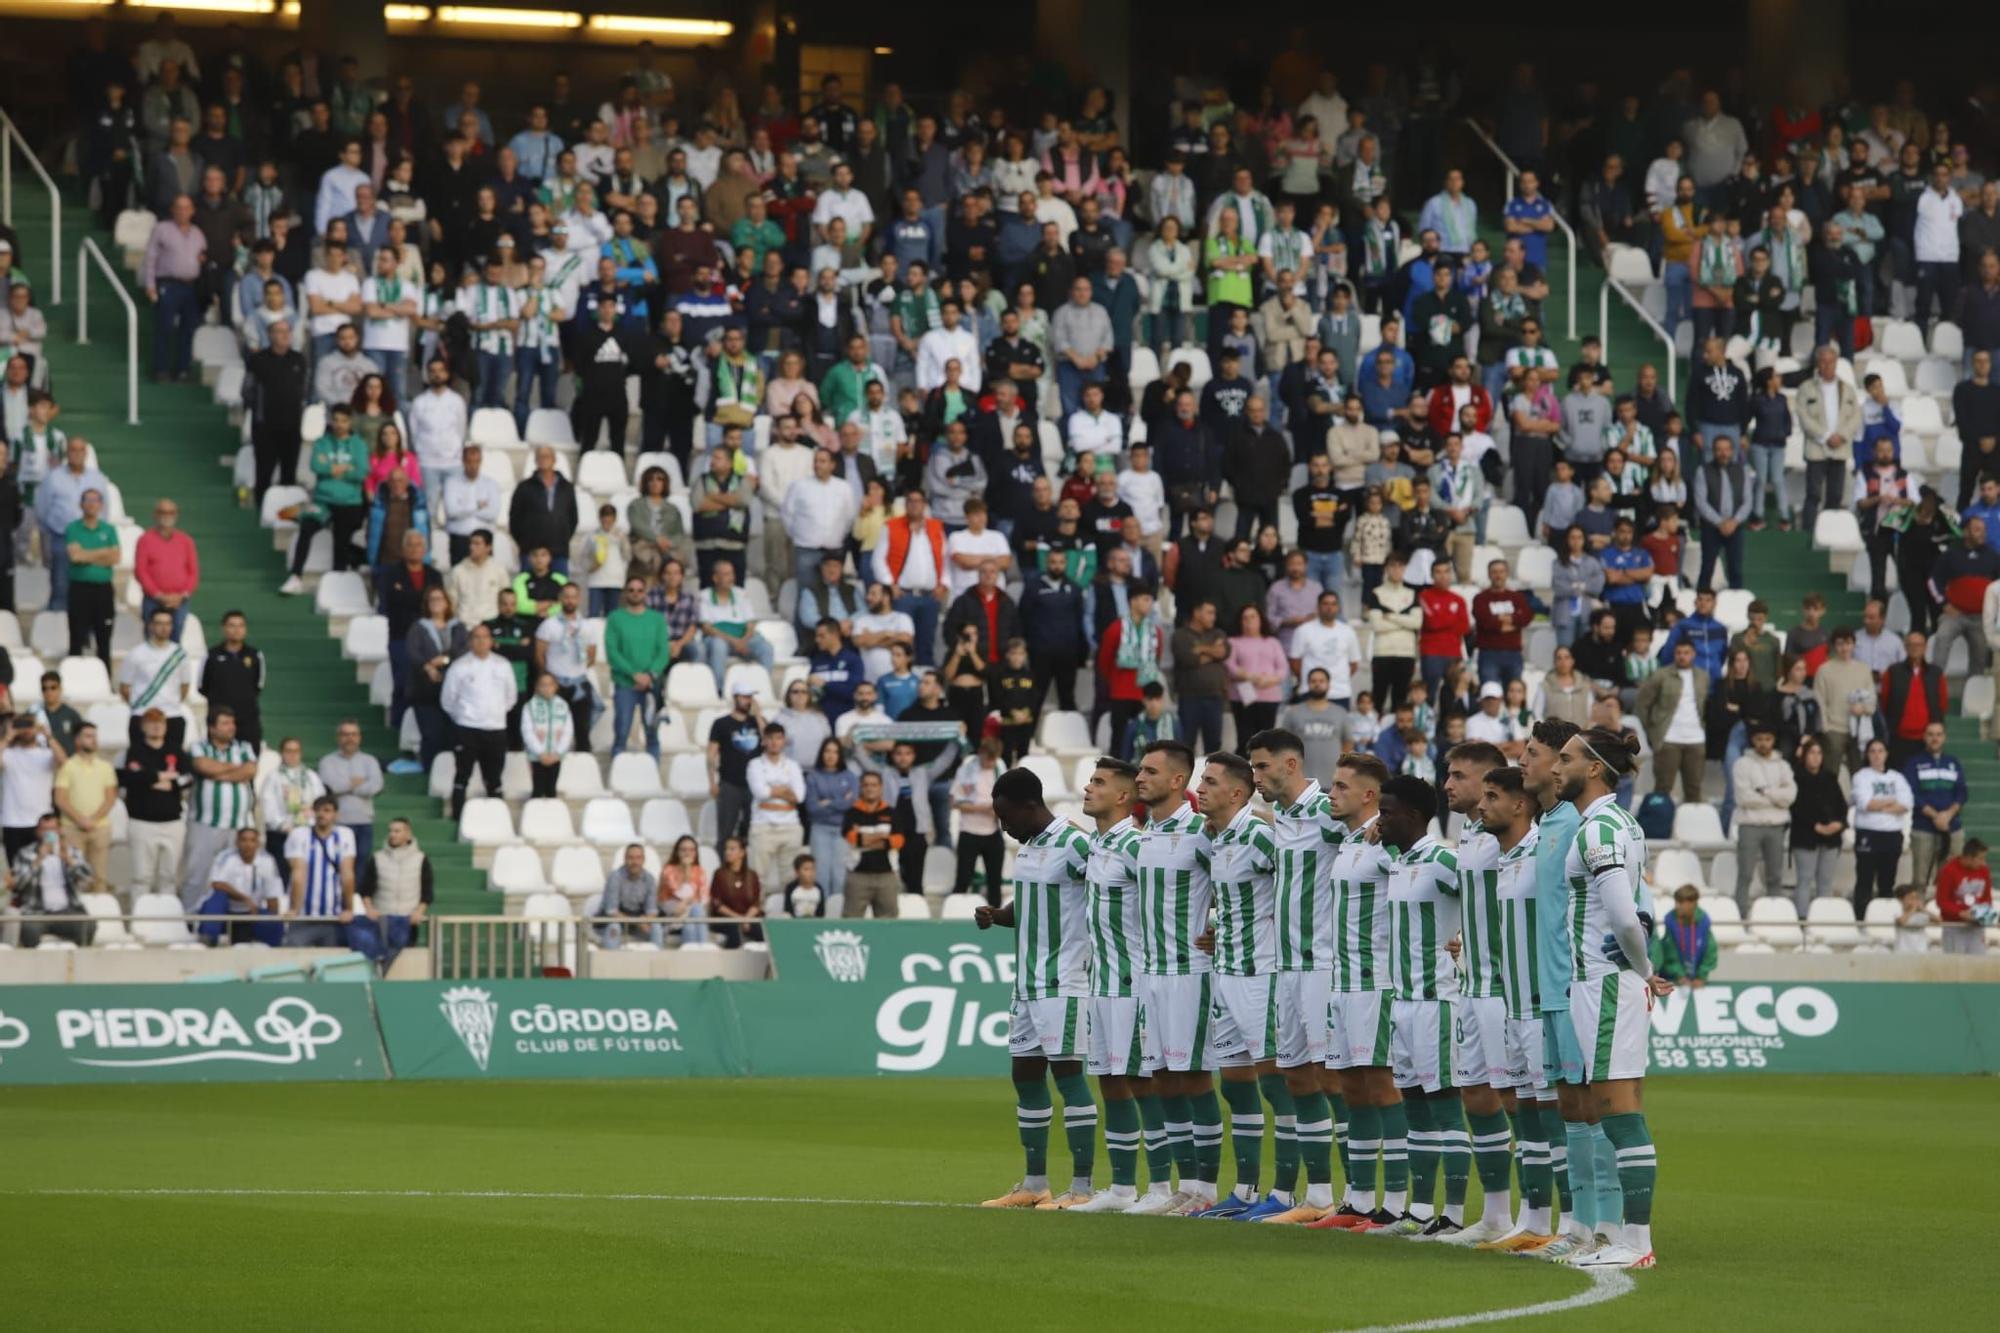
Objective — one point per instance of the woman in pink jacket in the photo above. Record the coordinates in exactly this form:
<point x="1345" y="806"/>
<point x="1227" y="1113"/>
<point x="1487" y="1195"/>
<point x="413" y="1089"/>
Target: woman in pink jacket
<point x="391" y="455"/>
<point x="1257" y="672"/>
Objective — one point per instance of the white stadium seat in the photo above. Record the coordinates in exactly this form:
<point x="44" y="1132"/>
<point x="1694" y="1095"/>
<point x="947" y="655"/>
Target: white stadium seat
<point x="579" y="778"/>
<point x="1830" y="924"/>
<point x="635" y="777"/>
<point x="516" y="871"/>
<point x="607" y="822"/>
<point x="663" y="821"/>
<point x="1775" y="921"/>
<point x="548" y="425"/>
<point x="1066" y="733"/>
<point x="161" y="919"/>
<point x="1699" y="827"/>
<point x="85" y="681"/>
<point x="687" y="777"/>
<point x="486" y="822"/>
<point x="493" y="428"/>
<point x="546" y="823"/>
<point x="691" y="686"/>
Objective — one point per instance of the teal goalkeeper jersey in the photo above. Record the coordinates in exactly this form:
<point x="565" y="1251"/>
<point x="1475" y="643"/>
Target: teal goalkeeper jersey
<point x="1051" y="949"/>
<point x="1479" y="958"/>
<point x="1113" y="908"/>
<point x="1174" y="858"/>
<point x="1240" y="871"/>
<point x="1556" y="832"/>
<point x="1520" y="949"/>
<point x="1305" y="837"/>
<point x="1423" y="916"/>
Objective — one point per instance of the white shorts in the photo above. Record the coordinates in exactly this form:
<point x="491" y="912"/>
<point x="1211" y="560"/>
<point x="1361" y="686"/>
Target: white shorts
<point x="1422" y="1054"/>
<point x="1174" y="1024"/>
<point x="1243" y="1022"/>
<point x="1527" y="1074"/>
<point x="1305" y="1012"/>
<point x="1049" y="1028"/>
<point x="1115" y="1047"/>
<point x="1358" y="1036"/>
<point x="1609" y="1017"/>
<point x="1481" y="1038"/>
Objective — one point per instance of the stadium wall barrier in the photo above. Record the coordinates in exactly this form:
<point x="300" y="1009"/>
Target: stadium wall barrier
<point x="188" y="1034"/>
<point x="850" y="998"/>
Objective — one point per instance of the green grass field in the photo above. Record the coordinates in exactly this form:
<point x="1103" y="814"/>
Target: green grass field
<point x="1827" y="1203"/>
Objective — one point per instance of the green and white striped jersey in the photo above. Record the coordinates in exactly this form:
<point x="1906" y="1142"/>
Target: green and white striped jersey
<point x="1113" y="908"/>
<point x="1174" y="855"/>
<point x="1608" y="857"/>
<point x="1423" y="916"/>
<point x="224" y="804"/>
<point x="1306" y="837"/>
<point x="1520" y="956"/>
<point x="1244" y="858"/>
<point x="1051" y="948"/>
<point x="1360" y="883"/>
<point x="1479" y="912"/>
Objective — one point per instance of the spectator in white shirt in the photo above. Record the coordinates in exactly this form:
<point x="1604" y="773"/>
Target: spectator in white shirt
<point x="1489" y="724"/>
<point x="333" y="298"/>
<point x="777" y="788"/>
<point x="477" y="581"/>
<point x="1092" y="430"/>
<point x="1330" y="645"/>
<point x="1938" y="210"/>
<point x="479" y="692"/>
<point x="818" y="513"/>
<point x="468" y="501"/>
<point x="974" y="547"/>
<point x="1141" y="487"/>
<point x="785" y="462"/>
<point x="845" y="202"/>
<point x="949" y="341"/>
<point x="437" y="420"/>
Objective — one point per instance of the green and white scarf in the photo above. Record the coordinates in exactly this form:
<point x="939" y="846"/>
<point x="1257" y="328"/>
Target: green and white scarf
<point x="1718" y="262"/>
<point x="164" y="675"/>
<point x="1139" y="649"/>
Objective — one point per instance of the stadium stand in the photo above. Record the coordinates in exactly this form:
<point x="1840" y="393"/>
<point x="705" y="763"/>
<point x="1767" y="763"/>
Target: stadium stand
<point x="537" y="361"/>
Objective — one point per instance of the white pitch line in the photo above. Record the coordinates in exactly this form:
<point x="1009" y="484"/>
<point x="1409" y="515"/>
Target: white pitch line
<point x="1604" y="1286"/>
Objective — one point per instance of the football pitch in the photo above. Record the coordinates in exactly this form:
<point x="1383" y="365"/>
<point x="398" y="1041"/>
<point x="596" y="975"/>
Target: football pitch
<point x="1784" y="1202"/>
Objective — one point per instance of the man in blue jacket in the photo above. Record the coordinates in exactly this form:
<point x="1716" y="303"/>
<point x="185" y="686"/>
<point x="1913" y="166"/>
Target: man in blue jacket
<point x="834" y="670"/>
<point x="1189" y="461"/>
<point x="1709" y="636"/>
<point x="1052" y="616"/>
<point x="1937" y="780"/>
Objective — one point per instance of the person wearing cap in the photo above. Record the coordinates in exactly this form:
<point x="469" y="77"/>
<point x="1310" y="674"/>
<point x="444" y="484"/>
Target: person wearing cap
<point x="152" y="775"/>
<point x="1765" y="790"/>
<point x="733" y="740"/>
<point x="1489" y="723"/>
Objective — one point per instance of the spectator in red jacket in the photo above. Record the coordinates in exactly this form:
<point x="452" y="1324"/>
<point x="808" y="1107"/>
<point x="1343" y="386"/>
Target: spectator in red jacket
<point x="167" y="566"/>
<point x="1499" y="614"/>
<point x="1128" y="659"/>
<point x="1965" y="899"/>
<point x="1461" y="390"/>
<point x="1447" y="623"/>
<point x="1914" y="695"/>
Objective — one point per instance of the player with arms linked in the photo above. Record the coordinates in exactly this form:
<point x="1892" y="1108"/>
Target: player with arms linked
<point x="1051" y="981"/>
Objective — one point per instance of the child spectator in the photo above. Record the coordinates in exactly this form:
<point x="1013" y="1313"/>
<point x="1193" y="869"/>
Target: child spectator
<point x="1416" y="755"/>
<point x="1154" y="722"/>
<point x="1373" y="539"/>
<point x="1913" y="921"/>
<point x="1364" y="723"/>
<point x="601" y="557"/>
<point x="1878" y="422"/>
<point x="802" y="895"/>
<point x="1965" y="899"/>
<point x="1685" y="952"/>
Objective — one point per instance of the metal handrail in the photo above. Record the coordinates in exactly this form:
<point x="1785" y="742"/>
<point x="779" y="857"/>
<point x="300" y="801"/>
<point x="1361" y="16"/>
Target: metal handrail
<point x="1569" y="233"/>
<point x="10" y="134"/>
<point x="85" y="253"/>
<point x="1659" y="330"/>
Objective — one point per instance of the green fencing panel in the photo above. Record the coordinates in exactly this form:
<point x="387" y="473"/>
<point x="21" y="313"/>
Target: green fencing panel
<point x="1838" y="1028"/>
<point x="233" y="1032"/>
<point x="560" y="1029"/>
<point x="880" y="997"/>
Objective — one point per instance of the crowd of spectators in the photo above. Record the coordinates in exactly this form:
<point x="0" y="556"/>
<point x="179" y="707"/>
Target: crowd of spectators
<point x="1196" y="446"/>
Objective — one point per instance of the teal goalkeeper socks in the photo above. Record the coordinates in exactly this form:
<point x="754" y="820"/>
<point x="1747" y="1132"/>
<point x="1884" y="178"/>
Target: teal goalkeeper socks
<point x="1582" y="1173"/>
<point x="1604" y="1168"/>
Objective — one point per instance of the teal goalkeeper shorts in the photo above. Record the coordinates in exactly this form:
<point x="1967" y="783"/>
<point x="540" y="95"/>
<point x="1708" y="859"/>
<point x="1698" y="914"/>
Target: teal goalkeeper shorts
<point x="1561" y="1056"/>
